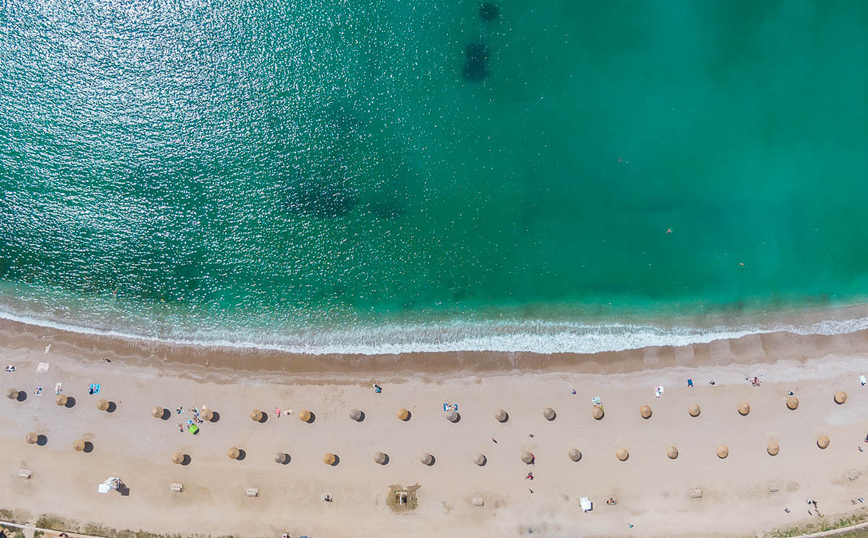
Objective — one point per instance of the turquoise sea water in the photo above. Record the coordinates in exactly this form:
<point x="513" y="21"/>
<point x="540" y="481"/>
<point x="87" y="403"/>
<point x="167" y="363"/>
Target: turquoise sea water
<point x="328" y="174"/>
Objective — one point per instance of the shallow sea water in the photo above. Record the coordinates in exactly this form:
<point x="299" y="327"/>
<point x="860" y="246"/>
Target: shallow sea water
<point x="343" y="175"/>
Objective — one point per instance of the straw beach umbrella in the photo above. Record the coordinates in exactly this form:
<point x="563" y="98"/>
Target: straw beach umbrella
<point x="453" y="416"/>
<point x="598" y="413"/>
<point x="722" y="452"/>
<point x="207" y="414"/>
<point x="32" y="438"/>
<point x="743" y="409"/>
<point x="792" y="403"/>
<point x="403" y="414"/>
<point x="479" y="459"/>
<point x="840" y="397"/>
<point x="773" y="448"/>
<point x="645" y="411"/>
<point x="177" y="458"/>
<point x="78" y="445"/>
<point x="549" y="413"/>
<point x="280" y="457"/>
<point x="694" y="410"/>
<point x="329" y="458"/>
<point x="501" y="415"/>
<point x="61" y="400"/>
<point x="575" y="454"/>
<point x="256" y="415"/>
<point x="12" y="394"/>
<point x="622" y="454"/>
<point x="102" y="405"/>
<point x="823" y="441"/>
<point x="304" y="415"/>
<point x="157" y="412"/>
<point x="233" y="453"/>
<point x="672" y="452"/>
<point x="527" y="457"/>
<point x="427" y="459"/>
<point x="380" y="458"/>
<point x="356" y="415"/>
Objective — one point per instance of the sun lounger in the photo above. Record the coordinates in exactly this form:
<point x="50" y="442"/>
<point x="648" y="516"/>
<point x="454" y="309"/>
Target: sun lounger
<point x="252" y="492"/>
<point x="177" y="488"/>
<point x="24" y="473"/>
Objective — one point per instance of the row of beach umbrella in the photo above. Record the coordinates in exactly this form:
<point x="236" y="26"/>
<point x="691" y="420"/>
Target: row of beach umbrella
<point x="500" y="415"/>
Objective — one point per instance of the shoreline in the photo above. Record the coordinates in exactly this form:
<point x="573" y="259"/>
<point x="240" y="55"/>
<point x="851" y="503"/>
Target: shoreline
<point x="583" y="332"/>
<point x="748" y="349"/>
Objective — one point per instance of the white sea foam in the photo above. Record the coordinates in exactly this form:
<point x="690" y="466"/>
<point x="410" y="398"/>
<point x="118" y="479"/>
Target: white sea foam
<point x="528" y="336"/>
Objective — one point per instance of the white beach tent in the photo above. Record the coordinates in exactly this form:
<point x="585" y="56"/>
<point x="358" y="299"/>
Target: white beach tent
<point x="110" y="484"/>
<point x="586" y="504"/>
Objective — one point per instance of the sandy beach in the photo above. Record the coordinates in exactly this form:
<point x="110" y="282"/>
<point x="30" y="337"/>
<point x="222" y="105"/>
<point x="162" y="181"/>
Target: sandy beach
<point x="653" y="492"/>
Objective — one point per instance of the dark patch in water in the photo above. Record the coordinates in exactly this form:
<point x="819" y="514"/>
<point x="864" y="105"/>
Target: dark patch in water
<point x="489" y="11"/>
<point x="476" y="64"/>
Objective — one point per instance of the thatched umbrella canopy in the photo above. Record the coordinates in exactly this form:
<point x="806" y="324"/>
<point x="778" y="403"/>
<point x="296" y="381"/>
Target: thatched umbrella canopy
<point x="102" y="405"/>
<point x="549" y="413"/>
<point x="694" y="410"/>
<point x="823" y="441"/>
<point x="598" y="413"/>
<point x="840" y="397"/>
<point x="31" y="438"/>
<point x="177" y="458"/>
<point x="78" y="445"/>
<point x="403" y="414"/>
<point x="280" y="457"/>
<point x="207" y="414"/>
<point x="61" y="400"/>
<point x="256" y="415"/>
<point x="672" y="452"/>
<point x="380" y="458"/>
<point x="575" y="454"/>
<point x="233" y="453"/>
<point x="743" y="409"/>
<point x="622" y="454"/>
<point x="157" y="411"/>
<point x="426" y="459"/>
<point x="722" y="451"/>
<point x="12" y="394"/>
<point x="501" y="415"/>
<point x="329" y="458"/>
<point x="304" y="415"/>
<point x="479" y="459"/>
<point x="773" y="448"/>
<point x="452" y="416"/>
<point x="645" y="411"/>
<point x="356" y="415"/>
<point x="792" y="402"/>
<point x="527" y="457"/>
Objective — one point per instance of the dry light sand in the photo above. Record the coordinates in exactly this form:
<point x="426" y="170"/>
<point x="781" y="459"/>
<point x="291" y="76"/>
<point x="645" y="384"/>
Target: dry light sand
<point x="652" y="491"/>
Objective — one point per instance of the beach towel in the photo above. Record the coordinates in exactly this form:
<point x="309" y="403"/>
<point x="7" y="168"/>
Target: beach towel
<point x="658" y="392"/>
<point x="42" y="368"/>
<point x="94" y="388"/>
<point x="446" y="407"/>
<point x="58" y="388"/>
<point x="595" y="400"/>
